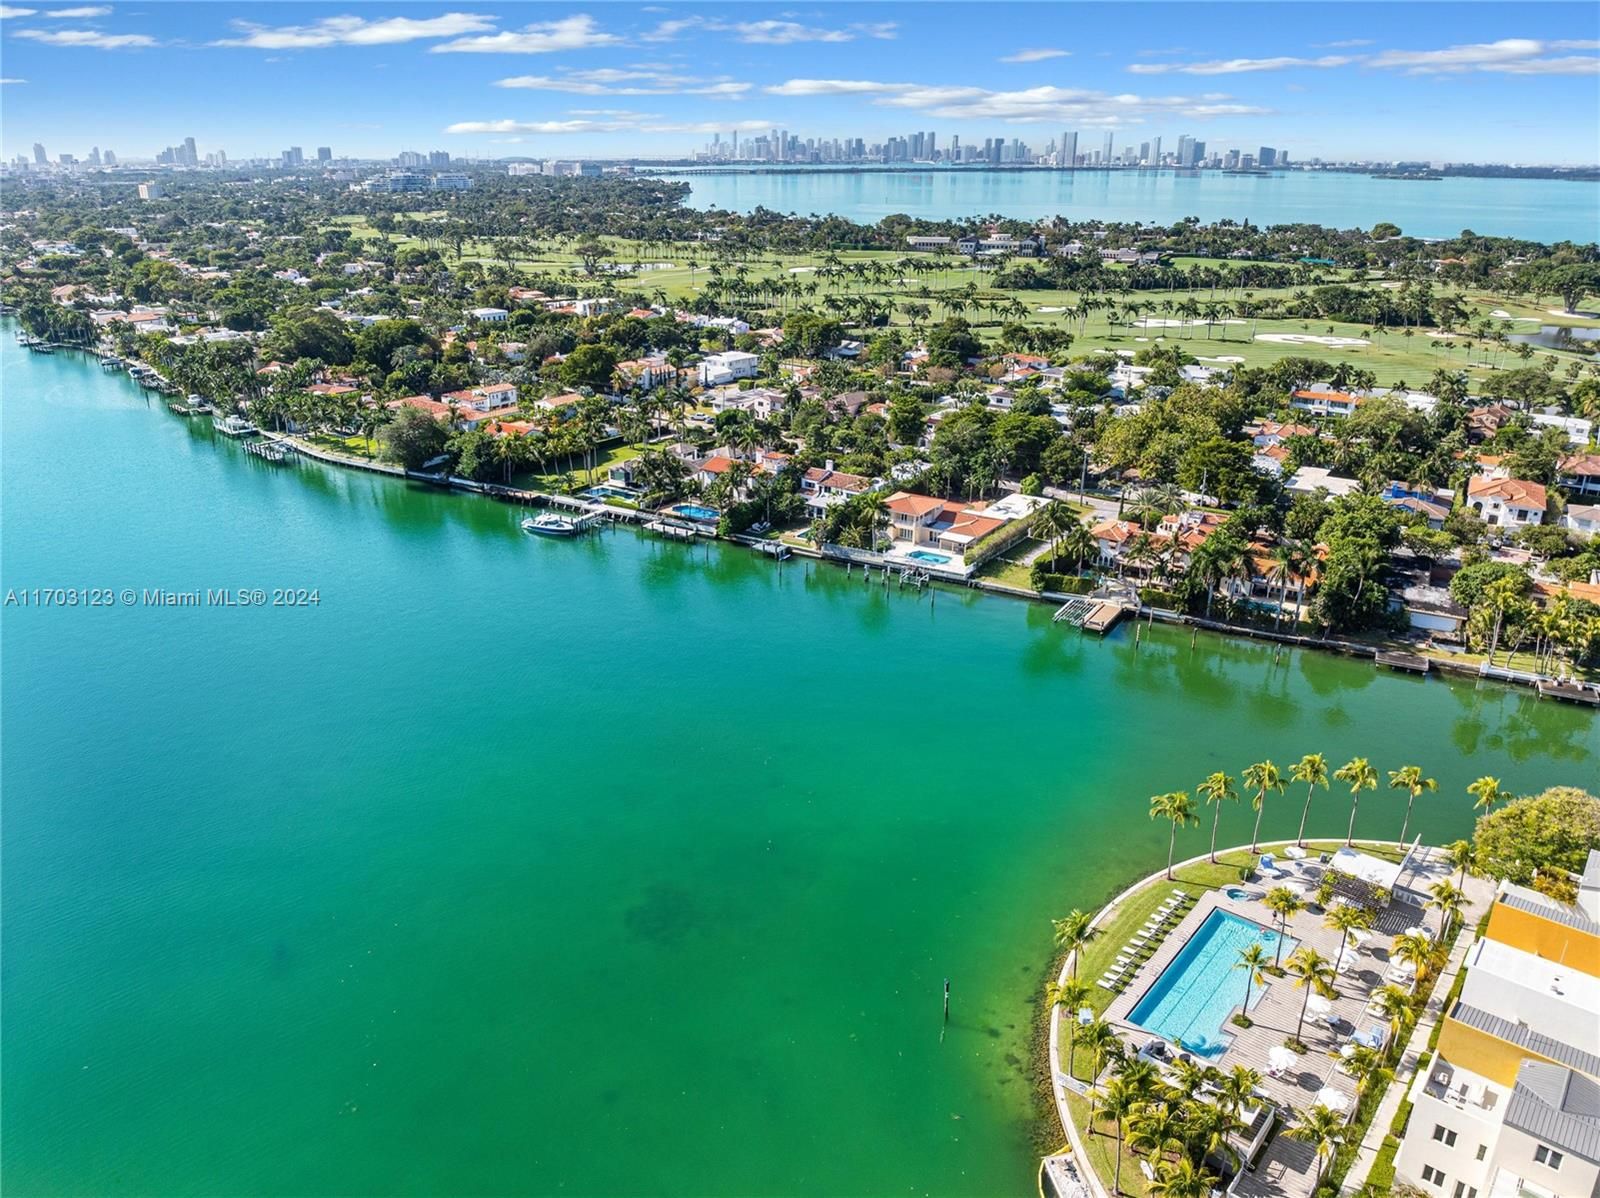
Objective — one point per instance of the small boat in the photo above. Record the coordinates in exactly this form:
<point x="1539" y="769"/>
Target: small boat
<point x="551" y="525"/>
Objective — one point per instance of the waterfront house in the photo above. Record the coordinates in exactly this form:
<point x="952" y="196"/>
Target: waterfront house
<point x="1112" y="538"/>
<point x="821" y="487"/>
<point x="927" y="244"/>
<point x="1507" y="502"/>
<point x="917" y="521"/>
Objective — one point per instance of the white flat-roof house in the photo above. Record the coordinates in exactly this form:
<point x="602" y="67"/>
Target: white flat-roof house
<point x="727" y="367"/>
<point x="488" y="315"/>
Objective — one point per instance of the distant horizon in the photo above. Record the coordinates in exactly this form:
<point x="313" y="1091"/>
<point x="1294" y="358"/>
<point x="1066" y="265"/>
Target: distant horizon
<point x="1506" y="85"/>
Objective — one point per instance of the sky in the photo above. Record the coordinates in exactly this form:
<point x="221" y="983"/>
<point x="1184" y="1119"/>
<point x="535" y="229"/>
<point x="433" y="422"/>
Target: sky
<point x="1481" y="82"/>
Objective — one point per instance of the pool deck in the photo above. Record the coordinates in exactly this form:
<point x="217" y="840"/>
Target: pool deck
<point x="1286" y="1166"/>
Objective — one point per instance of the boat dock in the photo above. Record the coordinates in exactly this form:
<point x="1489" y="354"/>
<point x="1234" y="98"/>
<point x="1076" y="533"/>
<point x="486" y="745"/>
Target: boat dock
<point x="1094" y="615"/>
<point x="270" y="451"/>
<point x="1568" y="692"/>
<point x="1409" y="663"/>
<point x="677" y="530"/>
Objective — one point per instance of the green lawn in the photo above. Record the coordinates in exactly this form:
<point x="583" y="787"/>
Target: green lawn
<point x="1391" y="355"/>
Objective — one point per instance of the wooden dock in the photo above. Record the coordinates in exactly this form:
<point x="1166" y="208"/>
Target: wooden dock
<point x="1093" y="615"/>
<point x="1568" y="692"/>
<point x="1410" y="663"/>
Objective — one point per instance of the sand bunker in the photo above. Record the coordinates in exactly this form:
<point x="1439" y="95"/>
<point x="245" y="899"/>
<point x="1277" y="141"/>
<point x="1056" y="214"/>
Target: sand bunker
<point x="1310" y="339"/>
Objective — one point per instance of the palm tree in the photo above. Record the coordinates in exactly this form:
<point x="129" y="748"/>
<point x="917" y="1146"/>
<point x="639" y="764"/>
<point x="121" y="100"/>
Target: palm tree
<point x="1182" y="1178"/>
<point x="1098" y="1038"/>
<point x="1324" y="1131"/>
<point x="1178" y="808"/>
<point x="1283" y="903"/>
<point x="1074" y="933"/>
<point x="1344" y="919"/>
<point x="1366" y="1066"/>
<point x="1488" y="792"/>
<point x="1312" y="972"/>
<point x="1394" y="1004"/>
<point x="1409" y="779"/>
<point x="1156" y="1127"/>
<point x="1416" y="951"/>
<point x="1312" y="769"/>
<point x="1261" y="777"/>
<point x="1359" y="773"/>
<point x="1071" y="994"/>
<point x="1463" y="857"/>
<point x="1237" y="1087"/>
<point x="1217" y="789"/>
<point x="1448" y="900"/>
<point x="1252" y="959"/>
<point x="1116" y="1100"/>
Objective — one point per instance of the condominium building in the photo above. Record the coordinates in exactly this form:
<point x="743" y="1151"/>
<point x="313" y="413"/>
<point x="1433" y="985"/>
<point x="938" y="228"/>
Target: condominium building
<point x="1509" y="1107"/>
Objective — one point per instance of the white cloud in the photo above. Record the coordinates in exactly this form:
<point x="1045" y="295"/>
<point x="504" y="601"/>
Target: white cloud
<point x="834" y="87"/>
<point x="7" y="12"/>
<point x="1349" y="43"/>
<point x="87" y="13"/>
<point x="771" y="32"/>
<point x="1239" y="66"/>
<point x="666" y="31"/>
<point x="1035" y="55"/>
<point x="611" y="81"/>
<point x="6" y="81"/>
<point x="1030" y="105"/>
<point x="354" y="31"/>
<point x="91" y="39"/>
<point x="577" y="32"/>
<point x="787" y="33"/>
<point x="611" y="120"/>
<point x="1511" y="56"/>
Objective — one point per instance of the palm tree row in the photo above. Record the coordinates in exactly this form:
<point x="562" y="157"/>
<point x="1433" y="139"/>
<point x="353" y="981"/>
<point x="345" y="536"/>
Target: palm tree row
<point x="1265" y="777"/>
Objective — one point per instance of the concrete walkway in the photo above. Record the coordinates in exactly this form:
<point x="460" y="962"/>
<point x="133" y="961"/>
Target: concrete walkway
<point x="1480" y="895"/>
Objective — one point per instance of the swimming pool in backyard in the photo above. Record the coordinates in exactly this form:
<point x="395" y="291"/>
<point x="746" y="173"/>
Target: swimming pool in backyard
<point x="1197" y="991"/>
<point x="931" y="559"/>
<point x="693" y="511"/>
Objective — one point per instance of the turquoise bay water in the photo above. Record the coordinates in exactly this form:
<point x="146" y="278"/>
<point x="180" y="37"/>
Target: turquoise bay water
<point x="1545" y="210"/>
<point x="524" y="866"/>
<point x="1201" y="986"/>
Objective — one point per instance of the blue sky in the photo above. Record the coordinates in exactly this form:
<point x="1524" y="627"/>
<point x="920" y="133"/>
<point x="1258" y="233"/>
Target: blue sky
<point x="1464" y="82"/>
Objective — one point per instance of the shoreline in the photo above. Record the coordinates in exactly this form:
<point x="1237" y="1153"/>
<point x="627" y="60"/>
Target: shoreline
<point x="508" y="494"/>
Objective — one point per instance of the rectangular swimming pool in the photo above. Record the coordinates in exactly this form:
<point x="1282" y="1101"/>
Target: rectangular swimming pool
<point x="1197" y="991"/>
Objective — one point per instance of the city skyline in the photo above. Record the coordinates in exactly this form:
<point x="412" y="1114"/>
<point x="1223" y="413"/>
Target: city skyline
<point x="1506" y="84"/>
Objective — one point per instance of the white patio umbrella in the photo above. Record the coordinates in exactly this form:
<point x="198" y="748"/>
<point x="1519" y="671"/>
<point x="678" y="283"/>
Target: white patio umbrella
<point x="1334" y="1100"/>
<point x="1280" y="1058"/>
<point x="1419" y="930"/>
<point x="1318" y="1007"/>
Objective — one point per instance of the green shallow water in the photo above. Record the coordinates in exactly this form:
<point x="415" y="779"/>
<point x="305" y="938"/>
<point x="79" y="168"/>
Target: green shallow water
<point x="602" y="867"/>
